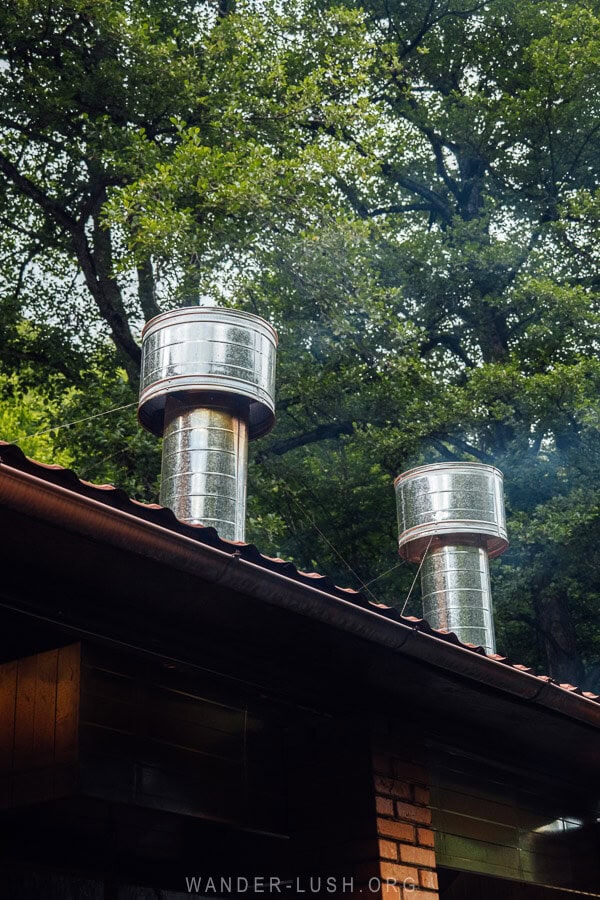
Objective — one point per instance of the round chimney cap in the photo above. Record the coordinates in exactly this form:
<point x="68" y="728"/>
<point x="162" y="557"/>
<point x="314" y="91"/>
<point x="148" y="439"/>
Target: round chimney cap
<point x="207" y="354"/>
<point x="445" y="503"/>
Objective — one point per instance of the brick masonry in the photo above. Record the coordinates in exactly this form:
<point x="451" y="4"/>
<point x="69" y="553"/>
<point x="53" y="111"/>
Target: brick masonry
<point x="403" y="852"/>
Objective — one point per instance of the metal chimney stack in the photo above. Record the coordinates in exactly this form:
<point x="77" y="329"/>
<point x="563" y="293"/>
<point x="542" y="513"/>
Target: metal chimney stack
<point x="451" y="520"/>
<point x="207" y="386"/>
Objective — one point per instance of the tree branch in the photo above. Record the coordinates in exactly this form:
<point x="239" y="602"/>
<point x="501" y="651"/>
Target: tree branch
<point x="147" y="290"/>
<point x="326" y="432"/>
<point x="436" y="203"/>
<point x="399" y="208"/>
<point x="24" y="232"/>
<point x="97" y="268"/>
<point x="528" y="620"/>
<point x="225" y="7"/>
<point x="31" y="133"/>
<point x="95" y="263"/>
<point x="34" y="250"/>
<point x="427" y="23"/>
<point x="452" y="342"/>
<point x="464" y="447"/>
<point x="50" y="206"/>
<point x="444" y="451"/>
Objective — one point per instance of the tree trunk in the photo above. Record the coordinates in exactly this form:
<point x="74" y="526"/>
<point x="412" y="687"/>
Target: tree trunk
<point x="558" y="636"/>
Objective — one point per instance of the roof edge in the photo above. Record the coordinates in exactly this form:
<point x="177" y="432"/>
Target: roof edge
<point x="141" y="534"/>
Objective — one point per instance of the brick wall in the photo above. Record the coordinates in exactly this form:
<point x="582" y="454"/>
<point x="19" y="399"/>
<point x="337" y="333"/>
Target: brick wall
<point x="402" y="857"/>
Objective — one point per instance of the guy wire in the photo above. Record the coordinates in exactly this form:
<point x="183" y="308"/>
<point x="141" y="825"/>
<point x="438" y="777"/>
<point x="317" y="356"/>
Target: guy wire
<point x="416" y="576"/>
<point x="364" y="585"/>
<point x="335" y="550"/>
<point x="106" y="412"/>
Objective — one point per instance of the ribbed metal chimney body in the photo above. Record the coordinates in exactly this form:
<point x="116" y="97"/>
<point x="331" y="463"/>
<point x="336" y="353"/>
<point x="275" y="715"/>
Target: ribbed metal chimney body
<point x="207" y="386"/>
<point x="451" y="520"/>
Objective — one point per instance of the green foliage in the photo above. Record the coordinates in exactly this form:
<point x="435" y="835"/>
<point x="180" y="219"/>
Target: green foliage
<point x="26" y="419"/>
<point x="109" y="448"/>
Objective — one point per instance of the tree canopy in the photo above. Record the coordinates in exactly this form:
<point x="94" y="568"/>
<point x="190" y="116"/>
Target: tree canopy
<point x="408" y="191"/>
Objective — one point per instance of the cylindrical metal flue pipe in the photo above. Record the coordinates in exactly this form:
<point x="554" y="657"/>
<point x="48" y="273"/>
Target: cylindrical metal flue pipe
<point x="456" y="593"/>
<point x="207" y="384"/>
<point x="205" y="465"/>
<point x="451" y="519"/>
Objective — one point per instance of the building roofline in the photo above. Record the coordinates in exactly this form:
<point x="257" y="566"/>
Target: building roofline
<point x="105" y="513"/>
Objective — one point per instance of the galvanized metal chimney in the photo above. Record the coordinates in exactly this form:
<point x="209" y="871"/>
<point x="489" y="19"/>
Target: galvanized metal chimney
<point x="208" y="386"/>
<point x="451" y="520"/>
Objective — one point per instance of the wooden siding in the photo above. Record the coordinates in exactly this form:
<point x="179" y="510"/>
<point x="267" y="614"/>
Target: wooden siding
<point x="466" y="886"/>
<point x="39" y="725"/>
<point x="499" y="821"/>
<point x="120" y="729"/>
<point x="163" y="739"/>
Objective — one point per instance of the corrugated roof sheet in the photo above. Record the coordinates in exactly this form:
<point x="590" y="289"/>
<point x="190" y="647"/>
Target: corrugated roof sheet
<point x="13" y="456"/>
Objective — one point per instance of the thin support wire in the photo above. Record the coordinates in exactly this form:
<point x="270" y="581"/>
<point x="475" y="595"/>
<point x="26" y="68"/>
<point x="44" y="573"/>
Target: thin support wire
<point x="335" y="550"/>
<point x="106" y="412"/>
<point x="416" y="576"/>
<point x="387" y="572"/>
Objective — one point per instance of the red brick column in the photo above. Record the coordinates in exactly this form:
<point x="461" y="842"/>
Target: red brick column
<point x="402" y="860"/>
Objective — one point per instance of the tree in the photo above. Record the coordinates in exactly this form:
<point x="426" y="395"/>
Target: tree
<point x="407" y="190"/>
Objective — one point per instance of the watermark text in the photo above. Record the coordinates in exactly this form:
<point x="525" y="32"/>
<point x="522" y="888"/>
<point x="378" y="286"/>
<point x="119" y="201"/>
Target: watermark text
<point x="232" y="885"/>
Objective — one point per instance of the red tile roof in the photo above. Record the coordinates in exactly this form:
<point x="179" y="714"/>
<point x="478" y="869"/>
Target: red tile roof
<point x="12" y="456"/>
